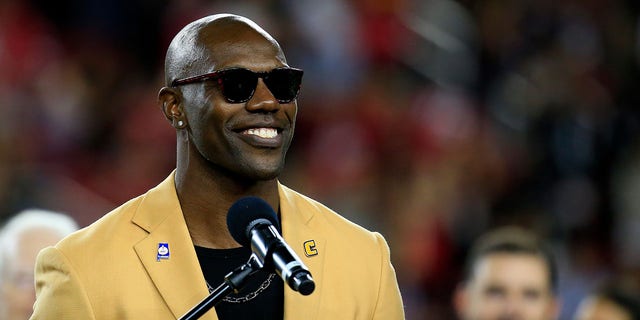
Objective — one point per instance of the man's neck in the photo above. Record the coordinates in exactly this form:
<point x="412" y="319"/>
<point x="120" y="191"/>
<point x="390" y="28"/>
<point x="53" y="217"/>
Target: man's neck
<point x="205" y="198"/>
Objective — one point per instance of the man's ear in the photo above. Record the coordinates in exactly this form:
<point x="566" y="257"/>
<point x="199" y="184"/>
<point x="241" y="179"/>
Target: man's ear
<point x="169" y="102"/>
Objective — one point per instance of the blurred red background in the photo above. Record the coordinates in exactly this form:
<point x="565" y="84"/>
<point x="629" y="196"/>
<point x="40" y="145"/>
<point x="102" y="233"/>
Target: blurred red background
<point x="429" y="121"/>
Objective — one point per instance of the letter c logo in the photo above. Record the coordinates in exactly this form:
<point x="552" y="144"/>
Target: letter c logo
<point x="310" y="248"/>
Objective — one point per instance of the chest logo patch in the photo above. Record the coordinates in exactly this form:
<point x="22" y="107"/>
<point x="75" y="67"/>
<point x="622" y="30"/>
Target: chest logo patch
<point x="163" y="251"/>
<point x="310" y="248"/>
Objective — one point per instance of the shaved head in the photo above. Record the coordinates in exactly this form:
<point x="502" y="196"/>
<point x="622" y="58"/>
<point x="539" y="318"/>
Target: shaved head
<point x="190" y="51"/>
<point x="208" y="124"/>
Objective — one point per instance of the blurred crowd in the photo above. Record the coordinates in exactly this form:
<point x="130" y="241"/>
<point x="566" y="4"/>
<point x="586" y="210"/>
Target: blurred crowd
<point x="430" y="121"/>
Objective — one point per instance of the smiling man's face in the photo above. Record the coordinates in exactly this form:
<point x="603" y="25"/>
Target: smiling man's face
<point x="248" y="139"/>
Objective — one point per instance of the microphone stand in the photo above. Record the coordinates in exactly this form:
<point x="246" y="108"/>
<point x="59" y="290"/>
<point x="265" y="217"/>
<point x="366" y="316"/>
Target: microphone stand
<point x="234" y="281"/>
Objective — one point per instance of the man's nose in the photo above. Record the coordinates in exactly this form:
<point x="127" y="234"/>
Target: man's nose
<point x="512" y="311"/>
<point x="263" y="100"/>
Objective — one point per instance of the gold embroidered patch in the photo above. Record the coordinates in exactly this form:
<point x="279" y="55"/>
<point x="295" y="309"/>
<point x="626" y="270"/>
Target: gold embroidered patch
<point x="310" y="248"/>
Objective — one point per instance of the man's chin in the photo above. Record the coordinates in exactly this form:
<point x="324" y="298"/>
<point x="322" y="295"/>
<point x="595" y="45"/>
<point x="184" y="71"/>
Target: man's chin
<point x="266" y="175"/>
<point x="262" y="173"/>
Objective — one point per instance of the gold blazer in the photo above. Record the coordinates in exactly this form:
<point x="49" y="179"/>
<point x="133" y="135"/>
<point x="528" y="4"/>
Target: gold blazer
<point x="112" y="270"/>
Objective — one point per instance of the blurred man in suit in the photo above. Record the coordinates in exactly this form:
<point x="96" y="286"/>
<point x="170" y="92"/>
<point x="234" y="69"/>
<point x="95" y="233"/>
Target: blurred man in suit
<point x="510" y="275"/>
<point x="21" y="238"/>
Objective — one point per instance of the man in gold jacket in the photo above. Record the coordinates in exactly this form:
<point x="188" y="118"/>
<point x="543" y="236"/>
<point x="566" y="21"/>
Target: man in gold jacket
<point x="231" y="97"/>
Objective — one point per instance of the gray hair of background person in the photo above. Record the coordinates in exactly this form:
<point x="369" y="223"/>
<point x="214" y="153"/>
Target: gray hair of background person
<point x="28" y="220"/>
<point x="512" y="240"/>
<point x="626" y="297"/>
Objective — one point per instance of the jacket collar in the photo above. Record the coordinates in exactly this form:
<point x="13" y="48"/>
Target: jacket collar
<point x="179" y="278"/>
<point x="300" y="231"/>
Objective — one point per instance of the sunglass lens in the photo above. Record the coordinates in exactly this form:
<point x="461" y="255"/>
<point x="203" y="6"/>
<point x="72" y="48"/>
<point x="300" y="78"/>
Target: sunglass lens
<point x="238" y="85"/>
<point x="284" y="84"/>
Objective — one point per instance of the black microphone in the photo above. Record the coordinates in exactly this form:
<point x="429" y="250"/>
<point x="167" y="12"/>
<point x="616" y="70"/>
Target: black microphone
<point x="252" y="222"/>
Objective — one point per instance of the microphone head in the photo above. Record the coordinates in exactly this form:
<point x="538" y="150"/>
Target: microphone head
<point x="243" y="215"/>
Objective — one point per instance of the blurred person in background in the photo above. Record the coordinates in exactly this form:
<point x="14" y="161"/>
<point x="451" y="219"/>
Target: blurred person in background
<point x="610" y="302"/>
<point x="510" y="275"/>
<point x="21" y="238"/>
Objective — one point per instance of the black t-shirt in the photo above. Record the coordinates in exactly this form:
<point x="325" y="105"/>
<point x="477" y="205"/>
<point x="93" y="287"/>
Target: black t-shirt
<point x="261" y="298"/>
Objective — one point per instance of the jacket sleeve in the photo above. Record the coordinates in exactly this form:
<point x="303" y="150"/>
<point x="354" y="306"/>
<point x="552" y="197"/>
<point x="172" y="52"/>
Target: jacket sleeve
<point x="389" y="304"/>
<point x="59" y="293"/>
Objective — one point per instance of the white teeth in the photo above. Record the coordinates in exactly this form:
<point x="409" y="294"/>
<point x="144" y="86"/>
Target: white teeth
<point x="263" y="132"/>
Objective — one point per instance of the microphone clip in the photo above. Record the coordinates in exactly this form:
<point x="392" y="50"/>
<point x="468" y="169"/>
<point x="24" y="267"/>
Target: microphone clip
<point x="233" y="281"/>
<point x="237" y="278"/>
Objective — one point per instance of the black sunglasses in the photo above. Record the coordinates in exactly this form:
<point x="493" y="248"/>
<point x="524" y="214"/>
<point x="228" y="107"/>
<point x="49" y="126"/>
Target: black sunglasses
<point x="238" y="84"/>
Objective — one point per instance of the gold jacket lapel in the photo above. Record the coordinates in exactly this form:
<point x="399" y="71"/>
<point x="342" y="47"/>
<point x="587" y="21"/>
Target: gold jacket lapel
<point x="177" y="276"/>
<point x="297" y="230"/>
